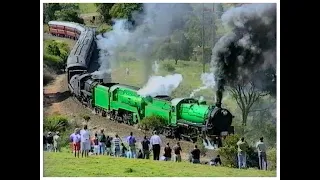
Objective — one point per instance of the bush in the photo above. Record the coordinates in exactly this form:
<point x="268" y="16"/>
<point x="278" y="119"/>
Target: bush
<point x="64" y="137"/>
<point x="229" y="153"/>
<point x="154" y="122"/>
<point x="168" y="67"/>
<point x="86" y="118"/>
<point x="55" y="62"/>
<point x="272" y="159"/>
<point x="56" y="54"/>
<point x="55" y="123"/>
<point x="46" y="28"/>
<point x="103" y="28"/>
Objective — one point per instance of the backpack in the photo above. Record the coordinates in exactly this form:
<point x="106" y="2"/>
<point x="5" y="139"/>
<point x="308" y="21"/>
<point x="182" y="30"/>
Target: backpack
<point x="131" y="141"/>
<point x="108" y="143"/>
<point x="103" y="138"/>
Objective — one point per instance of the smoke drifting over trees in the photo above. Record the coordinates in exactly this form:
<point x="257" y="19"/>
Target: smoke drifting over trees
<point x="248" y="52"/>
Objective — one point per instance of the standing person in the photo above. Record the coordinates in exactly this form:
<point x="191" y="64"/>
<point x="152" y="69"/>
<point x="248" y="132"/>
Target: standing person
<point x="167" y="153"/>
<point x="71" y="141"/>
<point x="85" y="141"/>
<point x="123" y="150"/>
<point x="177" y="152"/>
<point x="76" y="142"/>
<point x="116" y="142"/>
<point x="145" y="147"/>
<point x="242" y="156"/>
<point x="56" y="142"/>
<point x="156" y="142"/>
<point x="102" y="142"/>
<point x="195" y="155"/>
<point x="132" y="145"/>
<point x="49" y="142"/>
<point x="96" y="144"/>
<point x="108" y="145"/>
<point x="261" y="148"/>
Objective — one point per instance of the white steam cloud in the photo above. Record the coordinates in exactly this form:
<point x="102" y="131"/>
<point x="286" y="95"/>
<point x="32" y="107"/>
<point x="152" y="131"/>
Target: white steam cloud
<point x="154" y="25"/>
<point x="161" y="85"/>
<point x="155" y="67"/>
<point x="109" y="42"/>
<point x="208" y="81"/>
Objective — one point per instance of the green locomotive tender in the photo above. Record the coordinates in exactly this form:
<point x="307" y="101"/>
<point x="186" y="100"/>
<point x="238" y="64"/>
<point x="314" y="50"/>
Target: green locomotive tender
<point x="188" y="117"/>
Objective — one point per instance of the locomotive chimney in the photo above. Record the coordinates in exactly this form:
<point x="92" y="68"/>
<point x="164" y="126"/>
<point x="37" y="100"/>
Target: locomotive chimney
<point x="219" y="91"/>
<point x="218" y="98"/>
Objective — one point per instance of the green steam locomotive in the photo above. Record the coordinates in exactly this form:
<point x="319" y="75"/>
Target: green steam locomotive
<point x="187" y="117"/>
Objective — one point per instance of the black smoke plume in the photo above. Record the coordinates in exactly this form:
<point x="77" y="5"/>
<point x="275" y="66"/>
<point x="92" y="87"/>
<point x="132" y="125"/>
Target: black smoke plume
<point x="248" y="52"/>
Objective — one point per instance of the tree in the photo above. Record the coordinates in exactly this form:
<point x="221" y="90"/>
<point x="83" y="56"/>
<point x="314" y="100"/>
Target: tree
<point x="69" y="12"/>
<point x="53" y="49"/>
<point x="104" y="9"/>
<point x="48" y="11"/>
<point x="180" y="46"/>
<point x="152" y="122"/>
<point x="125" y="10"/>
<point x="246" y="95"/>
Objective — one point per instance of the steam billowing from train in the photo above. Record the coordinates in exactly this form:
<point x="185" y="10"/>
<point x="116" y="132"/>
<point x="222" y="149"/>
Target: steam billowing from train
<point x="208" y="81"/>
<point x="161" y="85"/>
<point x="152" y="26"/>
<point x="248" y="52"/>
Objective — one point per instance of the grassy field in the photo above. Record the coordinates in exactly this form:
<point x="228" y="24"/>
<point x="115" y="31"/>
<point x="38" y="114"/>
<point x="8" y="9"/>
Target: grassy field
<point x="66" y="165"/>
<point x="86" y="8"/>
<point x="48" y="39"/>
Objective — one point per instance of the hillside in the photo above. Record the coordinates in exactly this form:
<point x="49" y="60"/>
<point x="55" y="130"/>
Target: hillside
<point x="57" y="100"/>
<point x="65" y="165"/>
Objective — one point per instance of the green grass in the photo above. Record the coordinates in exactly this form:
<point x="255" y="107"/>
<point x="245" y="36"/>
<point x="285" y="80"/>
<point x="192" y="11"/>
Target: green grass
<point x="104" y="27"/>
<point x="66" y="165"/>
<point x="45" y="28"/>
<point x="86" y="8"/>
<point x="49" y="39"/>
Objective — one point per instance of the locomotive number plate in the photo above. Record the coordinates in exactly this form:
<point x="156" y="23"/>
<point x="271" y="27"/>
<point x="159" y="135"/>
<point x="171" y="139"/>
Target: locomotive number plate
<point x="224" y="133"/>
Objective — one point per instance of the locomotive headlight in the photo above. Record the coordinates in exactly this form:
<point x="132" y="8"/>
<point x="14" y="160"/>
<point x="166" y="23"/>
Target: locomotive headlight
<point x="224" y="112"/>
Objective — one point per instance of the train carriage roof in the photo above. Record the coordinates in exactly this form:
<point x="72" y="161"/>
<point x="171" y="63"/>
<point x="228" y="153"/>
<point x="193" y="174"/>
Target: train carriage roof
<point x="176" y="101"/>
<point x="80" y="27"/>
<point x="80" y="49"/>
<point x="124" y="86"/>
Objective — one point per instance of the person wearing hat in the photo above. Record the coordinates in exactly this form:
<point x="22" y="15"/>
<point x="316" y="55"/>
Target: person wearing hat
<point x="49" y="141"/>
<point x="56" y="142"/>
<point x="156" y="142"/>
